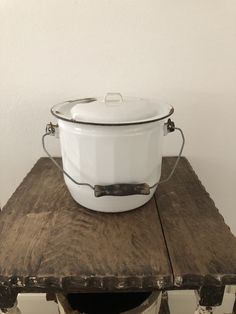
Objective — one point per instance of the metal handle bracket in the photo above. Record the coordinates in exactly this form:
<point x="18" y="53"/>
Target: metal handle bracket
<point x="52" y="129"/>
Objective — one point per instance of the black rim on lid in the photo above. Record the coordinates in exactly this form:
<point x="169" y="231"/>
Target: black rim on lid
<point x="55" y="112"/>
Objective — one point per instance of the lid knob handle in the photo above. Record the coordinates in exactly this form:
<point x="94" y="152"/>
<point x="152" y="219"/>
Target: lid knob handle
<point x="113" y="98"/>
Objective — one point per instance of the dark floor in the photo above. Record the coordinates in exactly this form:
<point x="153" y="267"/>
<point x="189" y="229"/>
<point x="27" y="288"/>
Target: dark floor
<point x="118" y="303"/>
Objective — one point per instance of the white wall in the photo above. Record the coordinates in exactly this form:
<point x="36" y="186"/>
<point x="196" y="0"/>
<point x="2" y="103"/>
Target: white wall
<point x="32" y="303"/>
<point x="184" y="302"/>
<point x="182" y="52"/>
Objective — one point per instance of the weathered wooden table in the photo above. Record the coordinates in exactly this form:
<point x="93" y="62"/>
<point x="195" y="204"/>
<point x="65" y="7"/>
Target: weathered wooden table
<point x="178" y="240"/>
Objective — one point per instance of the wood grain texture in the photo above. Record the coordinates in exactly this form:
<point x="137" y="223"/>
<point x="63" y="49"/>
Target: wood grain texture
<point x="201" y="247"/>
<point x="50" y="242"/>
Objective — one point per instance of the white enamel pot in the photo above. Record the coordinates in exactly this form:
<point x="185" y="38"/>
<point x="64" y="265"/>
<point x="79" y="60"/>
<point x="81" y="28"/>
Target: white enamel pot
<point x="111" y="149"/>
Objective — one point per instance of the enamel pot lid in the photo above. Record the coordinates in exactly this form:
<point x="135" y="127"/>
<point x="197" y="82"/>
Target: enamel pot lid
<point x="113" y="109"/>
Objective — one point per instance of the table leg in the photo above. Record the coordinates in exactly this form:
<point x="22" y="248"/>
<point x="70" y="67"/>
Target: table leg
<point x="164" y="308"/>
<point x="208" y="297"/>
<point x="8" y="300"/>
<point x="204" y="310"/>
<point x="234" y="308"/>
<point x="12" y="310"/>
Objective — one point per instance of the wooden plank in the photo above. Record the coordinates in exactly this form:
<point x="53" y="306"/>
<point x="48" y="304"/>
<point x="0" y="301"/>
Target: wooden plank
<point x="202" y="249"/>
<point x="25" y="223"/>
<point x="50" y="242"/>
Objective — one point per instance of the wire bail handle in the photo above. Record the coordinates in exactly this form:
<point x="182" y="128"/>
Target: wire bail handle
<point x="120" y="189"/>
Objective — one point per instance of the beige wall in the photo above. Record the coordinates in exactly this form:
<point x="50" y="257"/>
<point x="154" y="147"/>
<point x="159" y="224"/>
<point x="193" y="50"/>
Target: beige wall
<point x="182" y="52"/>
